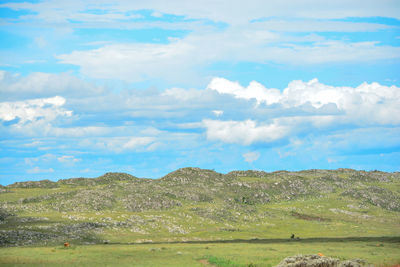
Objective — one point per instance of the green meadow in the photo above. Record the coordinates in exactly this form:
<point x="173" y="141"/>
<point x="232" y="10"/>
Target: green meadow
<point x="377" y="251"/>
<point x="195" y="217"/>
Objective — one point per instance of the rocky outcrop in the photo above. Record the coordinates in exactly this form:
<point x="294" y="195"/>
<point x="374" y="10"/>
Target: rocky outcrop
<point x="377" y="196"/>
<point x="109" y="177"/>
<point x="188" y="196"/>
<point x="34" y="184"/>
<point x="318" y="261"/>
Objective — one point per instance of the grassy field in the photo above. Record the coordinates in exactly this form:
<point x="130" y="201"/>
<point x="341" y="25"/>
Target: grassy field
<point x="195" y="217"/>
<point x="378" y="251"/>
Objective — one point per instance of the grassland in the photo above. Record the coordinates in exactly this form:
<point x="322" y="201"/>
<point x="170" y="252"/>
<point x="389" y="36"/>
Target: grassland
<point x="378" y="251"/>
<point x="195" y="217"/>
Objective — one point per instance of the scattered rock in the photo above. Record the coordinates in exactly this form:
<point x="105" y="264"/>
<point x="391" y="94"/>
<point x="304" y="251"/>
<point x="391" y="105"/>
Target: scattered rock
<point x="118" y="201"/>
<point x="318" y="261"/>
<point x="34" y="184"/>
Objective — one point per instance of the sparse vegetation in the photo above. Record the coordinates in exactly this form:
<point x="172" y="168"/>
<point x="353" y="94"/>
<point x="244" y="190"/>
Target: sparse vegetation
<point x="195" y="205"/>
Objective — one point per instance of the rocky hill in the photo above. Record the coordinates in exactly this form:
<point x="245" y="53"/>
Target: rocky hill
<point x="198" y="204"/>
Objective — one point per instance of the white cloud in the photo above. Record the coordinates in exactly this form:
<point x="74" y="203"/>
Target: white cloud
<point x="190" y="125"/>
<point x="243" y="39"/>
<point x="251" y="156"/>
<point x="56" y="13"/>
<point x="39" y="170"/>
<point x="181" y="60"/>
<point x="80" y="131"/>
<point x="303" y="108"/>
<point x="119" y="144"/>
<point x="68" y="159"/>
<point x="46" y="109"/>
<point x="157" y="14"/>
<point x="255" y="90"/>
<point x="39" y="84"/>
<point x="307" y="25"/>
<point x="218" y="112"/>
<point x="34" y="61"/>
<point x="183" y="94"/>
<point x="300" y="109"/>
<point x="283" y="154"/>
<point x="135" y="142"/>
<point x="244" y="132"/>
<point x="233" y="12"/>
<point x="365" y="104"/>
<point x="133" y="62"/>
<point x="249" y="132"/>
<point x="46" y="158"/>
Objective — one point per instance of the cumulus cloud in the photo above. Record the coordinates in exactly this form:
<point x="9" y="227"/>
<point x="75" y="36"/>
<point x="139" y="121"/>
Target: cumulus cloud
<point x="366" y="104"/>
<point x="299" y="109"/>
<point x="250" y="132"/>
<point x="46" y="109"/>
<point x="244" y="132"/>
<point x="251" y="156"/>
<point x="303" y="108"/>
<point x="126" y="120"/>
<point x="255" y="90"/>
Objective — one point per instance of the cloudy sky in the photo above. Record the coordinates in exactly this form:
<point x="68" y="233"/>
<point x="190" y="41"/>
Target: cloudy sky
<point x="146" y="87"/>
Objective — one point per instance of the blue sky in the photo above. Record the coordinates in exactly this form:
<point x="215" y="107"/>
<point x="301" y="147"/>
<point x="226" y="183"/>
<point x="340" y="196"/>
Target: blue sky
<point x="88" y="87"/>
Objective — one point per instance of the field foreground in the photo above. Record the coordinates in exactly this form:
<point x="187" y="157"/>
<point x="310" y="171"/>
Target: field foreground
<point x="379" y="251"/>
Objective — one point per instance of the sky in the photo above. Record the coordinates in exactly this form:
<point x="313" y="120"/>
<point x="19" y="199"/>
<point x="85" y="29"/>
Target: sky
<point x="147" y="87"/>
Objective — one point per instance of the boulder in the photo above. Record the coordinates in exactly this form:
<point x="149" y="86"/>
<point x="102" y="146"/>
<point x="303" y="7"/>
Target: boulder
<point x="318" y="261"/>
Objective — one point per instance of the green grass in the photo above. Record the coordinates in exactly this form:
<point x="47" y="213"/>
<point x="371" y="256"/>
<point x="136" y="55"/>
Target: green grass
<point x="377" y="251"/>
<point x="221" y="262"/>
<point x="272" y="220"/>
<point x="323" y="221"/>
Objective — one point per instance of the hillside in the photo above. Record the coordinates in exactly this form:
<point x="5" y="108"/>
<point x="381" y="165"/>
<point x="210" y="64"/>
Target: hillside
<point x="196" y="204"/>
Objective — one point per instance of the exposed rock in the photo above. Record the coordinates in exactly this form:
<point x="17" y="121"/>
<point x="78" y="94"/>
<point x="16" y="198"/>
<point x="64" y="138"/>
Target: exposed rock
<point x="34" y="184"/>
<point x="23" y="237"/>
<point x="376" y="196"/>
<point x="248" y="173"/>
<point x="107" y="178"/>
<point x="3" y="215"/>
<point x="318" y="261"/>
<point x="188" y="175"/>
<point x="118" y="201"/>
